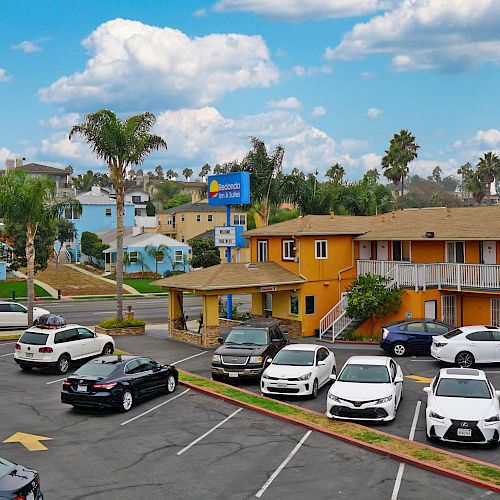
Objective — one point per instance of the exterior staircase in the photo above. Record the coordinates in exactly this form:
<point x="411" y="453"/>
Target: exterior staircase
<point x="64" y="257"/>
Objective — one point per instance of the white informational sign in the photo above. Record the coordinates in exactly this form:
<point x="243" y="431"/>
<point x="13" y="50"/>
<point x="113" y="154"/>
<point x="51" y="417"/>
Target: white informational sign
<point x="225" y="236"/>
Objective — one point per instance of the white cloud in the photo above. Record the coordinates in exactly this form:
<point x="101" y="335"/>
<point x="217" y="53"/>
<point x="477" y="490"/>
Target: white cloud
<point x="311" y="70"/>
<point x="370" y="161"/>
<point x="350" y="145"/>
<point x="451" y="35"/>
<point x="367" y="75"/>
<point x="318" y="111"/>
<point x="200" y="12"/>
<point x="135" y="65"/>
<point x="489" y="137"/>
<point x="65" y="121"/>
<point x="288" y="103"/>
<point x="57" y="147"/>
<point x="374" y="113"/>
<point x="4" y="76"/>
<point x="27" y="46"/>
<point x="297" y="10"/>
<point x="6" y="153"/>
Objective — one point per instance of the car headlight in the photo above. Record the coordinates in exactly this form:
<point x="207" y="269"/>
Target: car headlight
<point x="307" y="376"/>
<point x="384" y="400"/>
<point x="433" y="414"/>
<point x="216" y="358"/>
<point x="256" y="359"/>
<point x="264" y="375"/>
<point x="494" y="418"/>
<point x="334" y="398"/>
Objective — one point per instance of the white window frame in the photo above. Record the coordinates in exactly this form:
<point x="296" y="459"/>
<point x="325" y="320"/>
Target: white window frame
<point x="263" y="243"/>
<point x="162" y="256"/>
<point x="198" y="217"/>
<point x="170" y="220"/>
<point x="73" y="212"/>
<point x="178" y="256"/>
<point x="317" y="244"/>
<point x="447" y="256"/>
<point x="182" y="217"/>
<point x="239" y="219"/>
<point x="133" y="260"/>
<point x="286" y="249"/>
<point x="495" y="312"/>
<point x="210" y="218"/>
<point x="108" y="212"/>
<point x="449" y="309"/>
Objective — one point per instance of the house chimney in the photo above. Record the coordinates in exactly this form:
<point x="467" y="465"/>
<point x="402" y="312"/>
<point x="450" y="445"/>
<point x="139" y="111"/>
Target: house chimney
<point x="19" y="161"/>
<point x="10" y="164"/>
<point x="332" y="215"/>
<point x="448" y="212"/>
<point x="95" y="190"/>
<point x="382" y="219"/>
<point x="393" y="214"/>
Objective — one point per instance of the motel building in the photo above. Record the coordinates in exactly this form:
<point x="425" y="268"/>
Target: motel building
<point x="446" y="260"/>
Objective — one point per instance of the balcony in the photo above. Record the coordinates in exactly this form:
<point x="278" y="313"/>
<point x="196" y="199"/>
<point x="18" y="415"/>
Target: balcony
<point x="438" y="275"/>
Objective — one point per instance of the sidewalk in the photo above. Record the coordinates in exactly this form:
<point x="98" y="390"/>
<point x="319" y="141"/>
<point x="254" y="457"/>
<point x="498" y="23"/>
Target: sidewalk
<point x="52" y="291"/>
<point x="128" y="288"/>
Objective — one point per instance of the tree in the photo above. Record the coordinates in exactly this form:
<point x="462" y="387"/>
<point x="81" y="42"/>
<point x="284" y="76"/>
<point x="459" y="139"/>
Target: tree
<point x="141" y="260"/>
<point x="92" y="245"/>
<point x="121" y="144"/>
<point x="83" y="182"/>
<point x="166" y="190"/>
<point x="171" y="174"/>
<point x="187" y="173"/>
<point x="488" y="169"/>
<point x="204" y="253"/>
<point x="205" y="170"/>
<point x="66" y="231"/>
<point x="31" y="203"/>
<point x="139" y="172"/>
<point x="370" y="298"/>
<point x="157" y="252"/>
<point x="131" y="174"/>
<point x="159" y="171"/>
<point x="177" y="200"/>
<point x="336" y="173"/>
<point x="150" y="209"/>
<point x="436" y="176"/>
<point x="425" y="192"/>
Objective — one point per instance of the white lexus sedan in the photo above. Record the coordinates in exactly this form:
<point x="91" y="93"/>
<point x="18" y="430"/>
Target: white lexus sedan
<point x="462" y="406"/>
<point x="298" y="369"/>
<point x="14" y="315"/>
<point x="367" y="388"/>
<point x="468" y="345"/>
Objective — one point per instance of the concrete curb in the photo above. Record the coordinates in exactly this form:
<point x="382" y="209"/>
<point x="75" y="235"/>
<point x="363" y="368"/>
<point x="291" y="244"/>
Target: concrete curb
<point x="52" y="291"/>
<point x="371" y="447"/>
<point x="356" y="342"/>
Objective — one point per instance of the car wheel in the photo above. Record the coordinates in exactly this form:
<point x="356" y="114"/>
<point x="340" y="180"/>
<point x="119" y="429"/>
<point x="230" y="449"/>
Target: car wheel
<point x="171" y="384"/>
<point x="314" y="393"/>
<point x="127" y="401"/>
<point x="465" y="359"/>
<point x="108" y="349"/>
<point x="26" y="368"/>
<point x="399" y="349"/>
<point x="63" y="364"/>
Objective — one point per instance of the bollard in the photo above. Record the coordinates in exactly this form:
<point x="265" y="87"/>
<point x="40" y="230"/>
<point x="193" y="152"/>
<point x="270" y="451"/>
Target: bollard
<point x="130" y="313"/>
<point x="13" y="295"/>
<point x="58" y="294"/>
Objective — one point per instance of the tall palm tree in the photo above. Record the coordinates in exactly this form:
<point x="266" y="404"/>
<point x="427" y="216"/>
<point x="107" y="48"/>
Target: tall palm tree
<point x="121" y="144"/>
<point x="30" y="201"/>
<point x="187" y="173"/>
<point x="488" y="168"/>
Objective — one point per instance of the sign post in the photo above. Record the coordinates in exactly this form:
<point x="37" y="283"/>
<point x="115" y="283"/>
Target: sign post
<point x="228" y="189"/>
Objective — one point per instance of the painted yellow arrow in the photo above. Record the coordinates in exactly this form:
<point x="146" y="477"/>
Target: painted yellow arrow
<point x="30" y="441"/>
<point x="418" y="378"/>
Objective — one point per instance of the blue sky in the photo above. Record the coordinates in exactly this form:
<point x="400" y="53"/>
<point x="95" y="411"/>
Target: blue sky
<point x="330" y="80"/>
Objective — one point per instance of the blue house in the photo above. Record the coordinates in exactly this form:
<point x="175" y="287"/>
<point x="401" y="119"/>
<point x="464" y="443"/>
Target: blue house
<point x="6" y="254"/>
<point x="98" y="212"/>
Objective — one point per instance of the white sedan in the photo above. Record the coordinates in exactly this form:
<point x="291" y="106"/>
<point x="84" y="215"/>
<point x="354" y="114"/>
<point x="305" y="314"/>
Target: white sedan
<point x="367" y="388"/>
<point x="468" y="345"/>
<point x="14" y="315"/>
<point x="298" y="369"/>
<point x="462" y="406"/>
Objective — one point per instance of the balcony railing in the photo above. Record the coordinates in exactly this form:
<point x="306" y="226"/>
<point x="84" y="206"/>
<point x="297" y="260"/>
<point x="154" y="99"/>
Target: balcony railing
<point x="435" y="275"/>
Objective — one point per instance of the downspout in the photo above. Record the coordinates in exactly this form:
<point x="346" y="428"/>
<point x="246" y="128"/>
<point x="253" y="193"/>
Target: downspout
<point x="300" y="260"/>
<point x="346" y="268"/>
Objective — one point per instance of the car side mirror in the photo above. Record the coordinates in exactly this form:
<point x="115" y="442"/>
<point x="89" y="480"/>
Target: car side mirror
<point x="269" y="360"/>
<point x="321" y="363"/>
<point x="276" y="341"/>
<point x="157" y="368"/>
<point x="220" y="340"/>
<point x="398" y="380"/>
<point x="333" y="376"/>
<point x="427" y="390"/>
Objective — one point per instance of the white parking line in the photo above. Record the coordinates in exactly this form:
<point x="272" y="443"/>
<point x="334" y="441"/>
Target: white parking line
<point x="154" y="408"/>
<point x="283" y="465"/>
<point x="422" y="360"/>
<point x="190" y="357"/>
<point x="10" y="354"/>
<point x="55" y="381"/>
<point x="197" y="440"/>
<point x="401" y="469"/>
<point x="104" y="312"/>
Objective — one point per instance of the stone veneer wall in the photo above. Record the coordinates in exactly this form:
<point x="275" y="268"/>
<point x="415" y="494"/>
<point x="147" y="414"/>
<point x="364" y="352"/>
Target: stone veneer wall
<point x="177" y="332"/>
<point x="131" y="330"/>
<point x="293" y="327"/>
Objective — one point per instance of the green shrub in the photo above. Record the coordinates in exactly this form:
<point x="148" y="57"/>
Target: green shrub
<point x="121" y="323"/>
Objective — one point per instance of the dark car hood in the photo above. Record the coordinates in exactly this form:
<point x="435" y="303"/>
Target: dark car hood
<point x="15" y="480"/>
<point x="241" y="350"/>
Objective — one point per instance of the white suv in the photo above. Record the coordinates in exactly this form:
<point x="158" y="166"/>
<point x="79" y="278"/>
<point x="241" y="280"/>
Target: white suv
<point x="58" y="347"/>
<point x="14" y="315"/>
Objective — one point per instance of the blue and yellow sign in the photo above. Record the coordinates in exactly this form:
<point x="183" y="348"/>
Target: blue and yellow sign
<point x="229" y="189"/>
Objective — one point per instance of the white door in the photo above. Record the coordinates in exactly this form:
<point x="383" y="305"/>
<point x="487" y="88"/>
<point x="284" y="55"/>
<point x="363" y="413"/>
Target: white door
<point x="323" y="373"/>
<point x="382" y="250"/>
<point x="89" y="344"/>
<point x="365" y="250"/>
<point x="430" y="309"/>
<point x="18" y="315"/>
<point x="488" y="252"/>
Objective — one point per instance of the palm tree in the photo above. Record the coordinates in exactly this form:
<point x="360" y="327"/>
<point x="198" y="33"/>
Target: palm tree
<point x="121" y="144"/>
<point x="154" y="252"/>
<point x="464" y="171"/>
<point x="31" y="202"/>
<point x="336" y="173"/>
<point x="488" y="168"/>
<point x="171" y="174"/>
<point x="159" y="171"/>
<point x="187" y="173"/>
<point x="141" y="260"/>
<point x="205" y="170"/>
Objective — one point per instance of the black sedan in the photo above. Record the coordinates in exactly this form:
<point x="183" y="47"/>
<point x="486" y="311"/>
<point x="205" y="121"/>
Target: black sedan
<point x="18" y="482"/>
<point x="117" y="382"/>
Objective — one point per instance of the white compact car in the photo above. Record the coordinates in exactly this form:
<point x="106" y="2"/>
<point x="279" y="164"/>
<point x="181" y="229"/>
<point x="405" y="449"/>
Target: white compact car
<point x="298" y="369"/>
<point x="14" y="315"/>
<point x="462" y="406"/>
<point x="57" y="347"/>
<point x="367" y="388"/>
<point x="467" y="345"/>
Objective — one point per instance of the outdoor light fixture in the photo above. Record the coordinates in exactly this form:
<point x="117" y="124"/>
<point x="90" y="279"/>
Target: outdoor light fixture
<point x="429" y="234"/>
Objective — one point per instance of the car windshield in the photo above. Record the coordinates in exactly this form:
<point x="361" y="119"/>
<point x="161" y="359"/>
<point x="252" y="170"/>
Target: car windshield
<point x="463" y="388"/>
<point x="96" y="370"/>
<point x="5" y="467"/>
<point x="294" y="357"/>
<point x="452" y="334"/>
<point x="253" y="336"/>
<point x="34" y="338"/>
<point x="365" y="374"/>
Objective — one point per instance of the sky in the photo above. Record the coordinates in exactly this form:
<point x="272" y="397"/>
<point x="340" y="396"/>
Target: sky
<point x="330" y="80"/>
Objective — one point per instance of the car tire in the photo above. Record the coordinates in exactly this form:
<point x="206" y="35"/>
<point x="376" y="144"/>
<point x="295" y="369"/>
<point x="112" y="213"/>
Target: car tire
<point x="26" y="368"/>
<point x="399" y="349"/>
<point x="465" y="359"/>
<point x="315" y="387"/>
<point x="127" y="401"/>
<point x="171" y="384"/>
<point x="108" y="349"/>
<point x="63" y="364"/>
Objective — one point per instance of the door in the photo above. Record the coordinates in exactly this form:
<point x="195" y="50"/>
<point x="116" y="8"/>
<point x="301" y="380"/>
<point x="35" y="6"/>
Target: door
<point x="418" y="337"/>
<point x="496" y="341"/>
<point x="398" y="388"/>
<point x="325" y="370"/>
<point x="154" y="381"/>
<point x="488" y="251"/>
<point x="449" y="309"/>
<point x="482" y="346"/>
<point x="72" y="343"/>
<point x="267" y="304"/>
<point x="18" y="315"/>
<point x="88" y="342"/>
<point x="430" y="308"/>
<point x="365" y="250"/>
<point x="135" y="378"/>
<point x="382" y="250"/>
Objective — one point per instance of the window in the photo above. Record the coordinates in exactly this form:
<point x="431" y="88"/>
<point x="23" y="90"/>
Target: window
<point x="495" y="312"/>
<point x="59" y="338"/>
<point x="239" y="219"/>
<point x="178" y="256"/>
<point x="288" y="250"/>
<point x="170" y="220"/>
<point x="108" y="212"/>
<point x="210" y="218"/>
<point x="137" y="212"/>
<point x="146" y="365"/>
<point x="83" y="334"/>
<point x="310" y="304"/>
<point x="159" y="256"/>
<point x="136" y="199"/>
<point x="182" y="218"/>
<point x="198" y="217"/>
<point x="496" y="336"/>
<point x="267" y="303"/>
<point x="455" y="252"/>
<point x="394" y="370"/>
<point x="71" y="335"/>
<point x="321" y="249"/>
<point x="276" y="334"/>
<point x="34" y="338"/>
<point x="132" y="257"/>
<point x="17" y="308"/>
<point x="401" y="251"/>
<point x="132" y="366"/>
<point x="294" y="305"/>
<point x="262" y="255"/>
<point x="449" y="309"/>
<point x="71" y="213"/>
<point x="183" y="239"/>
<point x="415" y="327"/>
<point x="322" y="354"/>
<point x="479" y="337"/>
<point x="437" y="329"/>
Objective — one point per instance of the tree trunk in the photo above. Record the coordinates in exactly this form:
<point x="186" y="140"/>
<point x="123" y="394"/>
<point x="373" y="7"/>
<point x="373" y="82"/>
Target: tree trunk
<point x="30" y="265"/>
<point x="120" y="200"/>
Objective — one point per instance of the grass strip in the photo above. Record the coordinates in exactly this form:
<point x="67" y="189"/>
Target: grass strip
<point x="9" y="337"/>
<point x="488" y="473"/>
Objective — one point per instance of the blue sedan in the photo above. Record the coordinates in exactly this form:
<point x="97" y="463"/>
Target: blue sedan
<point x="411" y="336"/>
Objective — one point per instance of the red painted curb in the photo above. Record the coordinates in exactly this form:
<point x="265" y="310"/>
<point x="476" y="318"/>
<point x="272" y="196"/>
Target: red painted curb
<point x="371" y="447"/>
<point x="357" y="342"/>
<point x="15" y="339"/>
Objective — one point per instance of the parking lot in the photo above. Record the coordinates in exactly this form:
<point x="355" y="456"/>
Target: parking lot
<point x="187" y="445"/>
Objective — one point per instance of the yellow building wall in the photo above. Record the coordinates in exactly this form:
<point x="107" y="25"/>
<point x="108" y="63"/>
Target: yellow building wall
<point x="427" y="251"/>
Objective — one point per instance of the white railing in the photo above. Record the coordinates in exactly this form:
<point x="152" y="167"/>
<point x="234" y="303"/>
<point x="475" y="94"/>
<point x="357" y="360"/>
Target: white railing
<point x="332" y="316"/>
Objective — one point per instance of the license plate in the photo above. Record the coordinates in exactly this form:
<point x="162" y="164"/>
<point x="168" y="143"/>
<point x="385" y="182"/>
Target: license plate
<point x="281" y="385"/>
<point x="30" y="495"/>
<point x="29" y="354"/>
<point x="464" y="432"/>
<point x="81" y="388"/>
<point x="233" y="374"/>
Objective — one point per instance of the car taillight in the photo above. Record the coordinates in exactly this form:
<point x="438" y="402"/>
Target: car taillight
<point x="18" y="347"/>
<point x="22" y="497"/>
<point x="105" y="386"/>
<point x="45" y="349"/>
<point x="66" y="384"/>
<point x="439" y="344"/>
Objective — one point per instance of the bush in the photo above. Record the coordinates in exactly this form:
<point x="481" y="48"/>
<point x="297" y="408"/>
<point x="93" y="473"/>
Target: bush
<point x="121" y="323"/>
